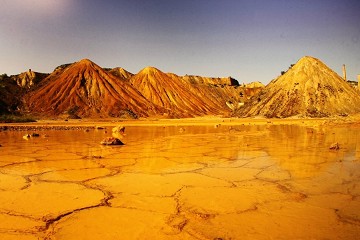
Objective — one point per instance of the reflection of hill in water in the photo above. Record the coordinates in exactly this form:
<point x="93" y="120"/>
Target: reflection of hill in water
<point x="304" y="151"/>
<point x="301" y="151"/>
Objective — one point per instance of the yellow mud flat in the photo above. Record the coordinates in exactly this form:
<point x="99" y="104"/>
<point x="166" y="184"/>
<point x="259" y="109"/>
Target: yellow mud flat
<point x="181" y="179"/>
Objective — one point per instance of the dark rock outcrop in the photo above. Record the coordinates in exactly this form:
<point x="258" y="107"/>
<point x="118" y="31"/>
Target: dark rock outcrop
<point x="111" y="141"/>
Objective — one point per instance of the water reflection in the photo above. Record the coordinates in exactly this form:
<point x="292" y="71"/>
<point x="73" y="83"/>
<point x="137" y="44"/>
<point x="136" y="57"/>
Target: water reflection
<point x="192" y="182"/>
<point x="305" y="152"/>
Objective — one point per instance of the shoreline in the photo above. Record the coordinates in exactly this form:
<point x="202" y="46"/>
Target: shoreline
<point x="83" y="124"/>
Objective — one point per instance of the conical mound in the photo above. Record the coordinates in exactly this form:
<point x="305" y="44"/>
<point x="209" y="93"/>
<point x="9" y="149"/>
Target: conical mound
<point x="172" y="94"/>
<point x="86" y="90"/>
<point x="309" y="88"/>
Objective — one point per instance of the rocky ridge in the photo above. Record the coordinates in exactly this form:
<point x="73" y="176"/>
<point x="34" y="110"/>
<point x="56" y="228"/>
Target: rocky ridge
<point x="29" y="79"/>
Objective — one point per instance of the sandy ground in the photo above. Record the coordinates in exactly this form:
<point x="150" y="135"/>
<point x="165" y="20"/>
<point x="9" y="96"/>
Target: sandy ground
<point x="202" y="178"/>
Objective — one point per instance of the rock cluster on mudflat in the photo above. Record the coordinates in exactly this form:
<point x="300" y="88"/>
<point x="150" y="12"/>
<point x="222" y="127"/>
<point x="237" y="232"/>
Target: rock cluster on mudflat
<point x="111" y="141"/>
<point x="118" y="129"/>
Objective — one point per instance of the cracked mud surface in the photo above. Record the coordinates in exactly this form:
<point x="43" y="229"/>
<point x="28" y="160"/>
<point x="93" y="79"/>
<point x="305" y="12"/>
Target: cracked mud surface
<point x="191" y="182"/>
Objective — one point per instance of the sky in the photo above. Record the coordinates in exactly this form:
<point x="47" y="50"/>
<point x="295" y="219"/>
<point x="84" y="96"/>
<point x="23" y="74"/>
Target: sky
<point x="249" y="40"/>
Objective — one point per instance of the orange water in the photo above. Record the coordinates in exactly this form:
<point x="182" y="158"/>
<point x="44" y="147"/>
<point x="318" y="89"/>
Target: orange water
<point x="193" y="182"/>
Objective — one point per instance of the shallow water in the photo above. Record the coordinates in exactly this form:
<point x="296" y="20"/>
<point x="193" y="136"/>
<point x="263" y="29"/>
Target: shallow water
<point x="193" y="182"/>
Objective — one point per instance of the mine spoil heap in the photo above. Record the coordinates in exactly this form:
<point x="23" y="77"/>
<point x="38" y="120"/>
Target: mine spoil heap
<point x="176" y="97"/>
<point x="307" y="89"/>
<point x="86" y="90"/>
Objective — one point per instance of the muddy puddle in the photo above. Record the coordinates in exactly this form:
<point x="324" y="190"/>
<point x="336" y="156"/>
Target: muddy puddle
<point x="192" y="182"/>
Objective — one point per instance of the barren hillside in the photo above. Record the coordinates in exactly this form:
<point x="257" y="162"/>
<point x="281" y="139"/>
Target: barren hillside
<point x="309" y="88"/>
<point x="174" y="95"/>
<point x="29" y="79"/>
<point x="86" y="90"/>
<point x="225" y="92"/>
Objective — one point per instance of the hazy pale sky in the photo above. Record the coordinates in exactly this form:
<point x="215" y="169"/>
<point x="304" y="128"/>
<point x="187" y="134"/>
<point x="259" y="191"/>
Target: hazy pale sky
<point x="250" y="40"/>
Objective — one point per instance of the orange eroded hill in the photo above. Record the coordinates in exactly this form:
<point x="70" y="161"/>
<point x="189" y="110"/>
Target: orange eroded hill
<point x="178" y="98"/>
<point x="85" y="89"/>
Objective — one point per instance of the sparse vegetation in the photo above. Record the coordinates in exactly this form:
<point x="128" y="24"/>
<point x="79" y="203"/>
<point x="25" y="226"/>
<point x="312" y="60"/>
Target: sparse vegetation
<point x="4" y="75"/>
<point x="283" y="72"/>
<point x="128" y="114"/>
<point x="73" y="112"/>
<point x="15" y="119"/>
<point x="63" y="66"/>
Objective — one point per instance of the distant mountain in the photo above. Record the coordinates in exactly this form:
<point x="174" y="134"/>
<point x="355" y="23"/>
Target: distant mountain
<point x="309" y="88"/>
<point x="84" y="89"/>
<point x="172" y="94"/>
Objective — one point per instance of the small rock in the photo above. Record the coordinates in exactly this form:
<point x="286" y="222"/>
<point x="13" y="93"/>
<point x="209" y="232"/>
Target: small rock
<point x="309" y="130"/>
<point x="118" y="129"/>
<point x="203" y="215"/>
<point x="111" y="141"/>
<point x="99" y="127"/>
<point x="176" y="223"/>
<point x="4" y="128"/>
<point x="26" y="136"/>
<point x="335" y="146"/>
